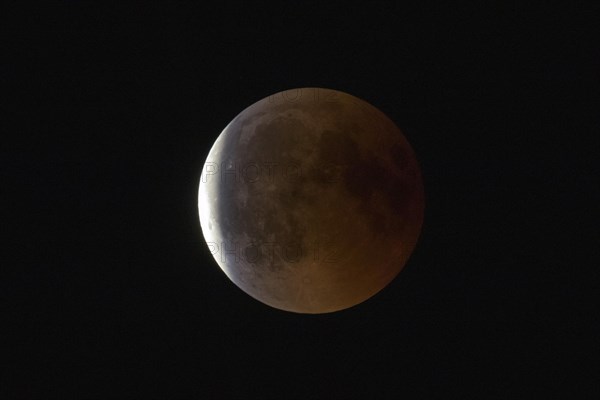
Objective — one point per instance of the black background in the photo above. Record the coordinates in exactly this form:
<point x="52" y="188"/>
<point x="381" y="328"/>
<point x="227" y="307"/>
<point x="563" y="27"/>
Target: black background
<point x="108" y="290"/>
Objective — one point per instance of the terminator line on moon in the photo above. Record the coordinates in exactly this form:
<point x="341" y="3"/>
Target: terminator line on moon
<point x="311" y="200"/>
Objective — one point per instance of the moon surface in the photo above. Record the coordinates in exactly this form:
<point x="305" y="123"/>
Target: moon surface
<point x="311" y="200"/>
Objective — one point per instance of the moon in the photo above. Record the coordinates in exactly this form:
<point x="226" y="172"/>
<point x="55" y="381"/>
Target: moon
<point x="311" y="200"/>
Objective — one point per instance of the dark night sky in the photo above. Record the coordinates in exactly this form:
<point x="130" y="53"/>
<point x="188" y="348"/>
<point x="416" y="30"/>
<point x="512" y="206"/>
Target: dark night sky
<point x="108" y="290"/>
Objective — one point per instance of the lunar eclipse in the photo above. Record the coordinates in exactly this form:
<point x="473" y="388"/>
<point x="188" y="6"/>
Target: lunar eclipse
<point x="311" y="200"/>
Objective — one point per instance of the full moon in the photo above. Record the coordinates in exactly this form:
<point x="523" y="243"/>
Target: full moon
<point x="311" y="200"/>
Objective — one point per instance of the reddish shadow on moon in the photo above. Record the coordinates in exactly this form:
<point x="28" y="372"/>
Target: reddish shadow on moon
<point x="311" y="200"/>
